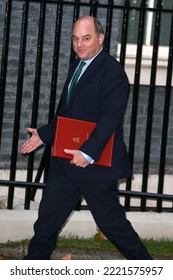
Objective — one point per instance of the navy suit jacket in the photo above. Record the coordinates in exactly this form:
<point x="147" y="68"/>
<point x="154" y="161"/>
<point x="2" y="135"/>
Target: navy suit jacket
<point x="99" y="96"/>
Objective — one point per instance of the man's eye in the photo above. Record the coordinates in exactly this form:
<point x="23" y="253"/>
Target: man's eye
<point x="86" y="39"/>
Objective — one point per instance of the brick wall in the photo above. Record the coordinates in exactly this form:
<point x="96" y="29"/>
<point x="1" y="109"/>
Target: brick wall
<point x="156" y="128"/>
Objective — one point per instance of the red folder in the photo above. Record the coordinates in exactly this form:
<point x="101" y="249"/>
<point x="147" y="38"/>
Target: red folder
<point x="72" y="133"/>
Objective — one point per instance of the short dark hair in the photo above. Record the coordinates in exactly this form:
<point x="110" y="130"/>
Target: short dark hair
<point x="97" y="24"/>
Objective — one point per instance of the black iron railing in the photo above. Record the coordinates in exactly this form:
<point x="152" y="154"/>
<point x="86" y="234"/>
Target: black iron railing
<point x="108" y="11"/>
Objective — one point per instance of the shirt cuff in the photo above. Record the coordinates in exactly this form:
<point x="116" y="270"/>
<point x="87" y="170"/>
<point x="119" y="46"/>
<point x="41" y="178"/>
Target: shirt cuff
<point x="88" y="158"/>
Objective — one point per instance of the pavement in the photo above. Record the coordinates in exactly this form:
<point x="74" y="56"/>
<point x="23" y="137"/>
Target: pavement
<point x="17" y="251"/>
<point x="17" y="225"/>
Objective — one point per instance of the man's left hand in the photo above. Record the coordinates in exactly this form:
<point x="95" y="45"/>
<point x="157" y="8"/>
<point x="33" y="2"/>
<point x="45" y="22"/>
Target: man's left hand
<point x="78" y="159"/>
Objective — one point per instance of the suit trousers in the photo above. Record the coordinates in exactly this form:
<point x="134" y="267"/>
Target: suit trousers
<point x="60" y="197"/>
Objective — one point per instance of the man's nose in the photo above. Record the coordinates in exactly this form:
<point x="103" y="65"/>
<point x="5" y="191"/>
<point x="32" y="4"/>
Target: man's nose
<point x="80" y="42"/>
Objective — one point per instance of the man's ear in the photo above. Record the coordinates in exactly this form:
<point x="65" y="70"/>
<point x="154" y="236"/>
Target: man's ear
<point x="101" y="38"/>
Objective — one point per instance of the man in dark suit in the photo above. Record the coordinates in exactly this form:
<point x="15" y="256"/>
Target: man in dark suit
<point x="100" y="95"/>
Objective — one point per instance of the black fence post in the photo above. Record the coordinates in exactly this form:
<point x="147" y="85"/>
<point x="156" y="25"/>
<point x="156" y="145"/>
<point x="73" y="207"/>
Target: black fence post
<point x="5" y="48"/>
<point x="165" y="119"/>
<point x="136" y="94"/>
<point x="93" y="7"/>
<point x="124" y="32"/>
<point x="19" y="93"/>
<point x="36" y="94"/>
<point x="108" y="25"/>
<point x="75" y="17"/>
<point x="151" y="102"/>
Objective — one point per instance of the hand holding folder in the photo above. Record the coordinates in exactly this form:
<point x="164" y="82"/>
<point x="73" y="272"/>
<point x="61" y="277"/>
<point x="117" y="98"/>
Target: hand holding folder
<point x="72" y="133"/>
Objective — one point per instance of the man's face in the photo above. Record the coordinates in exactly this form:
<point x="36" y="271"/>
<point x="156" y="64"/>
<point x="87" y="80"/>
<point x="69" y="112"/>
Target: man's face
<point x="86" y="42"/>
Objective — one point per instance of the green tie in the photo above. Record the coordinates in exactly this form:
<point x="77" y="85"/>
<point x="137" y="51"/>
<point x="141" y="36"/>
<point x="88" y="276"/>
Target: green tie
<point x="75" y="79"/>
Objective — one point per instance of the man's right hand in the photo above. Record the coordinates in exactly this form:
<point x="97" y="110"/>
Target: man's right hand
<point x="32" y="143"/>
